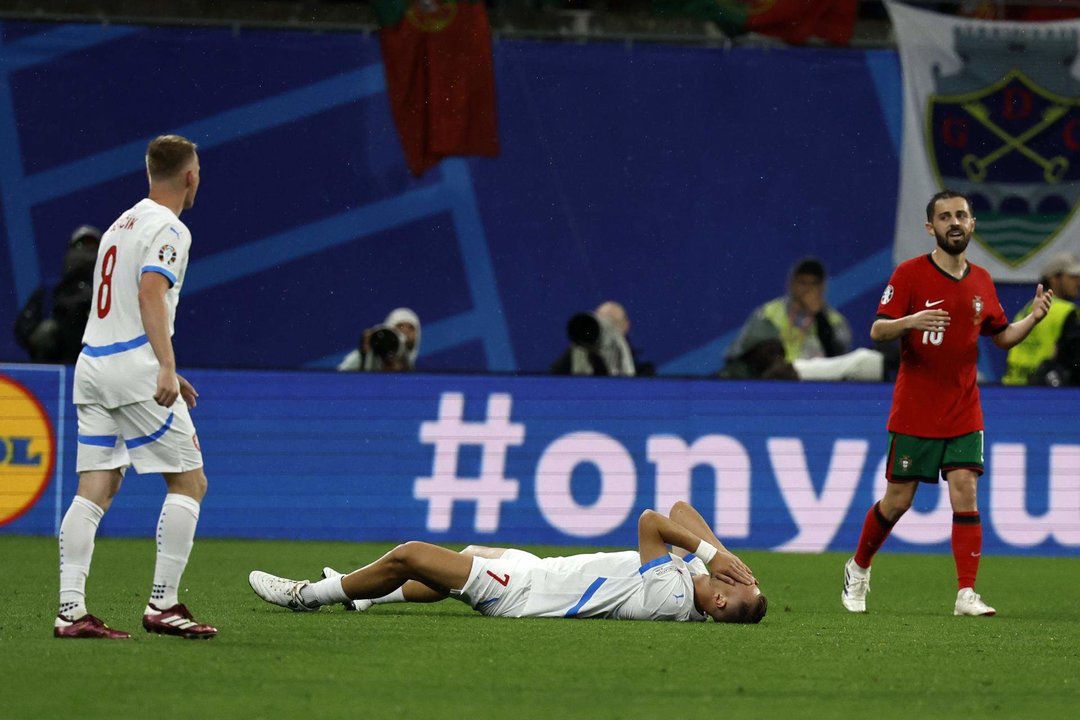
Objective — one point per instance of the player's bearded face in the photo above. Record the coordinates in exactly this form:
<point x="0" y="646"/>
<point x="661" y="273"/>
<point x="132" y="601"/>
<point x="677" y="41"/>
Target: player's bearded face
<point x="954" y="239"/>
<point x="953" y="225"/>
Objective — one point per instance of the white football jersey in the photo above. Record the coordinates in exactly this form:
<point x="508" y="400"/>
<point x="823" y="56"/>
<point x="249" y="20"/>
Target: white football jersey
<point x="117" y="365"/>
<point x="660" y="590"/>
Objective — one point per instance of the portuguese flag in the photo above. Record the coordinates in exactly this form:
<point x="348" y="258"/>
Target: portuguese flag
<point x="793" y="21"/>
<point x="439" y="76"/>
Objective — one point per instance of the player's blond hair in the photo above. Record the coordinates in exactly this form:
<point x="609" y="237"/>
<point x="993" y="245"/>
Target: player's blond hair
<point x="167" y="155"/>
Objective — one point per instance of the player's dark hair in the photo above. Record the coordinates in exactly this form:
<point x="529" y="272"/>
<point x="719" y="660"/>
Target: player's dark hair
<point x="750" y="612"/>
<point x="944" y="195"/>
<point x="167" y="155"/>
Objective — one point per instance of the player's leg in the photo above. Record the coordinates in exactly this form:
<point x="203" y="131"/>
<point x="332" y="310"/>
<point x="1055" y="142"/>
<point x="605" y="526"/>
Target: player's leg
<point x="961" y="468"/>
<point x="910" y="460"/>
<point x="436" y="567"/>
<point x="163" y="440"/>
<point x="100" y="462"/>
<point x="414" y="591"/>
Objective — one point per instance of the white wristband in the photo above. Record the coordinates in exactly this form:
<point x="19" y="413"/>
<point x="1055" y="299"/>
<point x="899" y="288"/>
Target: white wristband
<point x="706" y="552"/>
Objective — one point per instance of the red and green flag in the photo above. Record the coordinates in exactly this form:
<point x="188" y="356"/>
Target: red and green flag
<point x="793" y="21"/>
<point x="440" y="78"/>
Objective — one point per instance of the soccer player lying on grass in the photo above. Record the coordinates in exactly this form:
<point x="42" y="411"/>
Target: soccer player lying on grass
<point x="650" y="584"/>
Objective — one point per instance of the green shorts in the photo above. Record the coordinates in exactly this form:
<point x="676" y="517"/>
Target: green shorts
<point x="925" y="459"/>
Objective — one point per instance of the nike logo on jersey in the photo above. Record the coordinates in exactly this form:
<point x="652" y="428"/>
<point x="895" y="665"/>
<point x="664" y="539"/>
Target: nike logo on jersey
<point x="680" y="596"/>
<point x="933" y="304"/>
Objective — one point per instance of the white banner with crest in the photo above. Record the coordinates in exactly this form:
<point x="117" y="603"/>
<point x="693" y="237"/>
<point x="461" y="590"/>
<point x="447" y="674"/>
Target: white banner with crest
<point x="991" y="109"/>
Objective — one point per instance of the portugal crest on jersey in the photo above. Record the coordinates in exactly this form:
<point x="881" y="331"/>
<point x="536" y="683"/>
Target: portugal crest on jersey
<point x="1005" y="131"/>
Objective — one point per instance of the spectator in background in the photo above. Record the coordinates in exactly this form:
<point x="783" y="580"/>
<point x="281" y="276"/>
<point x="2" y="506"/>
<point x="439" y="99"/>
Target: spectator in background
<point x="600" y="345"/>
<point x="799" y="336"/>
<point x="390" y="347"/>
<point x="1050" y="355"/>
<point x="50" y="326"/>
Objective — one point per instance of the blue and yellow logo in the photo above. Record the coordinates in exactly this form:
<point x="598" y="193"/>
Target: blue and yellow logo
<point x="27" y="450"/>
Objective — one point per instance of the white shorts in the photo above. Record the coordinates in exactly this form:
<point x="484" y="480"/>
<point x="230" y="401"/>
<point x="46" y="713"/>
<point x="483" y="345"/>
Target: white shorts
<point x="152" y="438"/>
<point x="499" y="587"/>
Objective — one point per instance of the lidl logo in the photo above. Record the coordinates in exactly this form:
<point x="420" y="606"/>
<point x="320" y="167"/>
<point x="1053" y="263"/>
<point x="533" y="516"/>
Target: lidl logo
<point x="27" y="450"/>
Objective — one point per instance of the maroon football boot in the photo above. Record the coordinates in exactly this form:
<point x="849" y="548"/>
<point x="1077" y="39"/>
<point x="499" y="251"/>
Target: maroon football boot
<point x="176" y="620"/>
<point x="87" y="626"/>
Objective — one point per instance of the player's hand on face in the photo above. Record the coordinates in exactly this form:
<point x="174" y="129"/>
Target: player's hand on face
<point x="1043" y="299"/>
<point x="168" y="388"/>
<point x="932" y="320"/>
<point x="731" y="570"/>
<point x="187" y="391"/>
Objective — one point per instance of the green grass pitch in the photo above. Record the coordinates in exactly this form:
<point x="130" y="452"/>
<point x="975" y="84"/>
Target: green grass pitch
<point x="907" y="658"/>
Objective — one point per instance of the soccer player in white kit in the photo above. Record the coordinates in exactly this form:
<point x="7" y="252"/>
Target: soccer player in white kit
<point x="650" y="584"/>
<point x="125" y="393"/>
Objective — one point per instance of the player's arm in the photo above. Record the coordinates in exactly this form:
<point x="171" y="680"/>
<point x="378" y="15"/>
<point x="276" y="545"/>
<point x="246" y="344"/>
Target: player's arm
<point x="155" y="319"/>
<point x="886" y="329"/>
<point x="656" y="532"/>
<point x="1014" y="333"/>
<point x="684" y="514"/>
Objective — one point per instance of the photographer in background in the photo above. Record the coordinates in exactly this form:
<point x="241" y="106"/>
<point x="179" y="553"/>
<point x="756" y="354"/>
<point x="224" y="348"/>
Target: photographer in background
<point x="50" y="326"/>
<point x="390" y="347"/>
<point x="799" y="336"/>
<point x="599" y="345"/>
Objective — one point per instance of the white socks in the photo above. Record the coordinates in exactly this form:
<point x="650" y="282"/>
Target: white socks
<point x="395" y="596"/>
<point x="323" y="592"/>
<point x="77" y="533"/>
<point x="175" y="537"/>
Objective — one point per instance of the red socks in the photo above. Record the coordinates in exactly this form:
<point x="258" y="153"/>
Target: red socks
<point x="875" y="529"/>
<point x="966" y="547"/>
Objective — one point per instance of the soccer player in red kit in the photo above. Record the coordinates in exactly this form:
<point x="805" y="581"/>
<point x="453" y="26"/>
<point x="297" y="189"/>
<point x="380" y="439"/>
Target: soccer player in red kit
<point x="938" y="305"/>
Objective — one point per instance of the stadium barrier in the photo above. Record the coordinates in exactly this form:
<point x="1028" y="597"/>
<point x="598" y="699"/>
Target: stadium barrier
<point x="546" y="460"/>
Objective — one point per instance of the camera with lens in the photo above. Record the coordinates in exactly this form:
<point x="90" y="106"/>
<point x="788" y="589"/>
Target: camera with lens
<point x="383" y="347"/>
<point x="598" y="347"/>
<point x="386" y="342"/>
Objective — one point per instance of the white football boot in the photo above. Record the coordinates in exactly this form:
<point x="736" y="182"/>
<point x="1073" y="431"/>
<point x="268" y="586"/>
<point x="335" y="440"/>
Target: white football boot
<point x="968" y="602"/>
<point x="280" y="591"/>
<point x="856" y="586"/>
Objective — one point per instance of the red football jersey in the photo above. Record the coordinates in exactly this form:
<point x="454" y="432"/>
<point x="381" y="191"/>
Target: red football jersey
<point x="936" y="393"/>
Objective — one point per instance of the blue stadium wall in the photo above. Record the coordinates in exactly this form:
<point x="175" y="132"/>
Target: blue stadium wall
<point x="680" y="181"/>
<point x="563" y="461"/>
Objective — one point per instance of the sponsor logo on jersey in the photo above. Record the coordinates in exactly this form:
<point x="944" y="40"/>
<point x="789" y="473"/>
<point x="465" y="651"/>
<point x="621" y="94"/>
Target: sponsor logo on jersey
<point x="167" y="254"/>
<point x="27" y="450"/>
